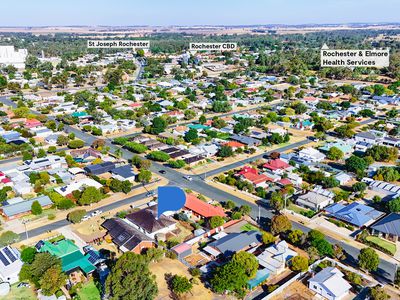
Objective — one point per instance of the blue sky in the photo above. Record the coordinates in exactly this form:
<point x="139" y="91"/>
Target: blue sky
<point x="195" y="12"/>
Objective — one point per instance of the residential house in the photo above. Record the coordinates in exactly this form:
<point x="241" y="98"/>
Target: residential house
<point x="146" y="221"/>
<point x="206" y="150"/>
<point x="312" y="155"/>
<point x="77" y="185"/>
<point x="388" y="227"/>
<point x="127" y="237"/>
<point x="246" y="140"/>
<point x="235" y="242"/>
<point x="276" y="257"/>
<point x="370" y="137"/>
<point x="314" y="201"/>
<point x="343" y="178"/>
<point x="234" y="145"/>
<point x="355" y="213"/>
<point x="22" y="207"/>
<point x="199" y="208"/>
<point x="72" y="258"/>
<point x="44" y="163"/>
<point x="10" y="264"/>
<point x="330" y="284"/>
<point x="100" y="168"/>
<point x="123" y="173"/>
<point x="277" y="166"/>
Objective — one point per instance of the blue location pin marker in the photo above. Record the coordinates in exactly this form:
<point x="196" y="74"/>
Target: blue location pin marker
<point x="170" y="198"/>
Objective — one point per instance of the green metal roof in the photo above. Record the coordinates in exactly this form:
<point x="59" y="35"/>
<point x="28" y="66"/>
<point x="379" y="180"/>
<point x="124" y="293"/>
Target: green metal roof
<point x="70" y="255"/>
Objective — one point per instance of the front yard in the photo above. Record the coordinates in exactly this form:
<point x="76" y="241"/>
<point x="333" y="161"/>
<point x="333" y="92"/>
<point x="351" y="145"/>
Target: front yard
<point x="22" y="293"/>
<point x="381" y="243"/>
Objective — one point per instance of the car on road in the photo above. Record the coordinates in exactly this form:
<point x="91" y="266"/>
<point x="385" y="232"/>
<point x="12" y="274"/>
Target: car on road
<point x="151" y="194"/>
<point x="97" y="212"/>
<point x="86" y="217"/>
<point x="162" y="171"/>
<point x="188" y="178"/>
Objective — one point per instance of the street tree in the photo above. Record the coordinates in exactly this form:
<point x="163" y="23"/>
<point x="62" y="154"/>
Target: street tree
<point x="368" y="259"/>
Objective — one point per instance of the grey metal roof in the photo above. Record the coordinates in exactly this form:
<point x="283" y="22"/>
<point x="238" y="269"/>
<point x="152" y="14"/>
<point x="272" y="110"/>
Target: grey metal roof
<point x="24" y="206"/>
<point x="389" y="224"/>
<point x="237" y="241"/>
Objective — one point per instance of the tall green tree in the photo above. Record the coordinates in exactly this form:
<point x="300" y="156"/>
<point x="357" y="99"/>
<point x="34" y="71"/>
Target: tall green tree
<point x="130" y="278"/>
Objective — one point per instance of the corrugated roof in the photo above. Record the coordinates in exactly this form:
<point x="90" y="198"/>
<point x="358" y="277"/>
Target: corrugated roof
<point x="24" y="206"/>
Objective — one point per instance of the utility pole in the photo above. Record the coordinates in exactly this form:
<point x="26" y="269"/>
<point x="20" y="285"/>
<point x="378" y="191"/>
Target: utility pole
<point x="26" y="231"/>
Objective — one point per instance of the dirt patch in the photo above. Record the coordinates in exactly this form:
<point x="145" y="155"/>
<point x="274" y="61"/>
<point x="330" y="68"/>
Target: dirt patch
<point x="172" y="266"/>
<point x="295" y="291"/>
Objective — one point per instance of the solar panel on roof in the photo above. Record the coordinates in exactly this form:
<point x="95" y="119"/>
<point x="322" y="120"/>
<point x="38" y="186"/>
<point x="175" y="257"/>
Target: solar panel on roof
<point x="93" y="256"/>
<point x="4" y="259"/>
<point x="39" y="245"/>
<point x="10" y="255"/>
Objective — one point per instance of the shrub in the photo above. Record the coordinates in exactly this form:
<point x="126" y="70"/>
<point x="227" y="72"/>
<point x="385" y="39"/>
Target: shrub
<point x="76" y="215"/>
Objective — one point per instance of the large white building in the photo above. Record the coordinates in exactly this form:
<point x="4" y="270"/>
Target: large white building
<point x="10" y="56"/>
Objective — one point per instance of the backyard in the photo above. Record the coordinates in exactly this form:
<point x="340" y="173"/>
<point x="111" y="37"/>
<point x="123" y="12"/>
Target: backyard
<point x="22" y="293"/>
<point x="89" y="291"/>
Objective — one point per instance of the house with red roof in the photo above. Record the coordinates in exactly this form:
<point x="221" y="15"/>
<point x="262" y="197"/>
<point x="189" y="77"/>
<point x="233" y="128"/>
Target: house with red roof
<point x="202" y="209"/>
<point x="176" y="114"/>
<point x="136" y="105"/>
<point x="277" y="165"/>
<point x="32" y="123"/>
<point x="234" y="145"/>
<point x="247" y="169"/>
<point x="258" y="180"/>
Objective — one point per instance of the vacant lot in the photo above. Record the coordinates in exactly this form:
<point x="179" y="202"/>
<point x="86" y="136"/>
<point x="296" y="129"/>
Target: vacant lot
<point x="174" y="267"/>
<point x="295" y="291"/>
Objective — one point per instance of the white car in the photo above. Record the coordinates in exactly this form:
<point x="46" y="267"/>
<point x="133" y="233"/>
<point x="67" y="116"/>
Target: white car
<point x="85" y="218"/>
<point x="187" y="177"/>
<point x="96" y="213"/>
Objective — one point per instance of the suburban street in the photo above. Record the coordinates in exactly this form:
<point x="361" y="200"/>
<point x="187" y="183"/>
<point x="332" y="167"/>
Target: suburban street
<point x="386" y="269"/>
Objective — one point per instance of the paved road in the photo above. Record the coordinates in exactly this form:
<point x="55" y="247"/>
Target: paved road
<point x="386" y="269"/>
<point x="248" y="160"/>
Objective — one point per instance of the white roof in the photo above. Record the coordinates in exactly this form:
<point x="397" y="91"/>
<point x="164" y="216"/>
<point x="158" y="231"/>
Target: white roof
<point x="332" y="280"/>
<point x="10" y="264"/>
<point x="77" y="185"/>
<point x="212" y="251"/>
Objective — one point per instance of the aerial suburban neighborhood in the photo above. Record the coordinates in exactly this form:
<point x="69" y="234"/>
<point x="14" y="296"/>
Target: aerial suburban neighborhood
<point x="288" y="162"/>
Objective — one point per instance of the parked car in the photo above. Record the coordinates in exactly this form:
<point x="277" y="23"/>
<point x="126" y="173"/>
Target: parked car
<point x="86" y="217"/>
<point x="23" y="284"/>
<point x="97" y="212"/>
<point x="151" y="194"/>
<point x="163" y="171"/>
<point x="187" y="177"/>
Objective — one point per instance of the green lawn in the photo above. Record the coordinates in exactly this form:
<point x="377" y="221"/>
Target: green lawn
<point x="382" y="243"/>
<point x="21" y="293"/>
<point x="248" y="227"/>
<point x="296" y="209"/>
<point x="89" y="291"/>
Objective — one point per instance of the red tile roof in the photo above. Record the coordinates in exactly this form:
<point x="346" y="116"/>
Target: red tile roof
<point x="247" y="169"/>
<point x="234" y="144"/>
<point x="256" y="178"/>
<point x="5" y="180"/>
<point x="285" y="181"/>
<point x="202" y="208"/>
<point x="276" y="164"/>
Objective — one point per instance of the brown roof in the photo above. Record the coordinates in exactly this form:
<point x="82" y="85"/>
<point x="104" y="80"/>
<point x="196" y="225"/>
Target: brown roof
<point x="146" y="219"/>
